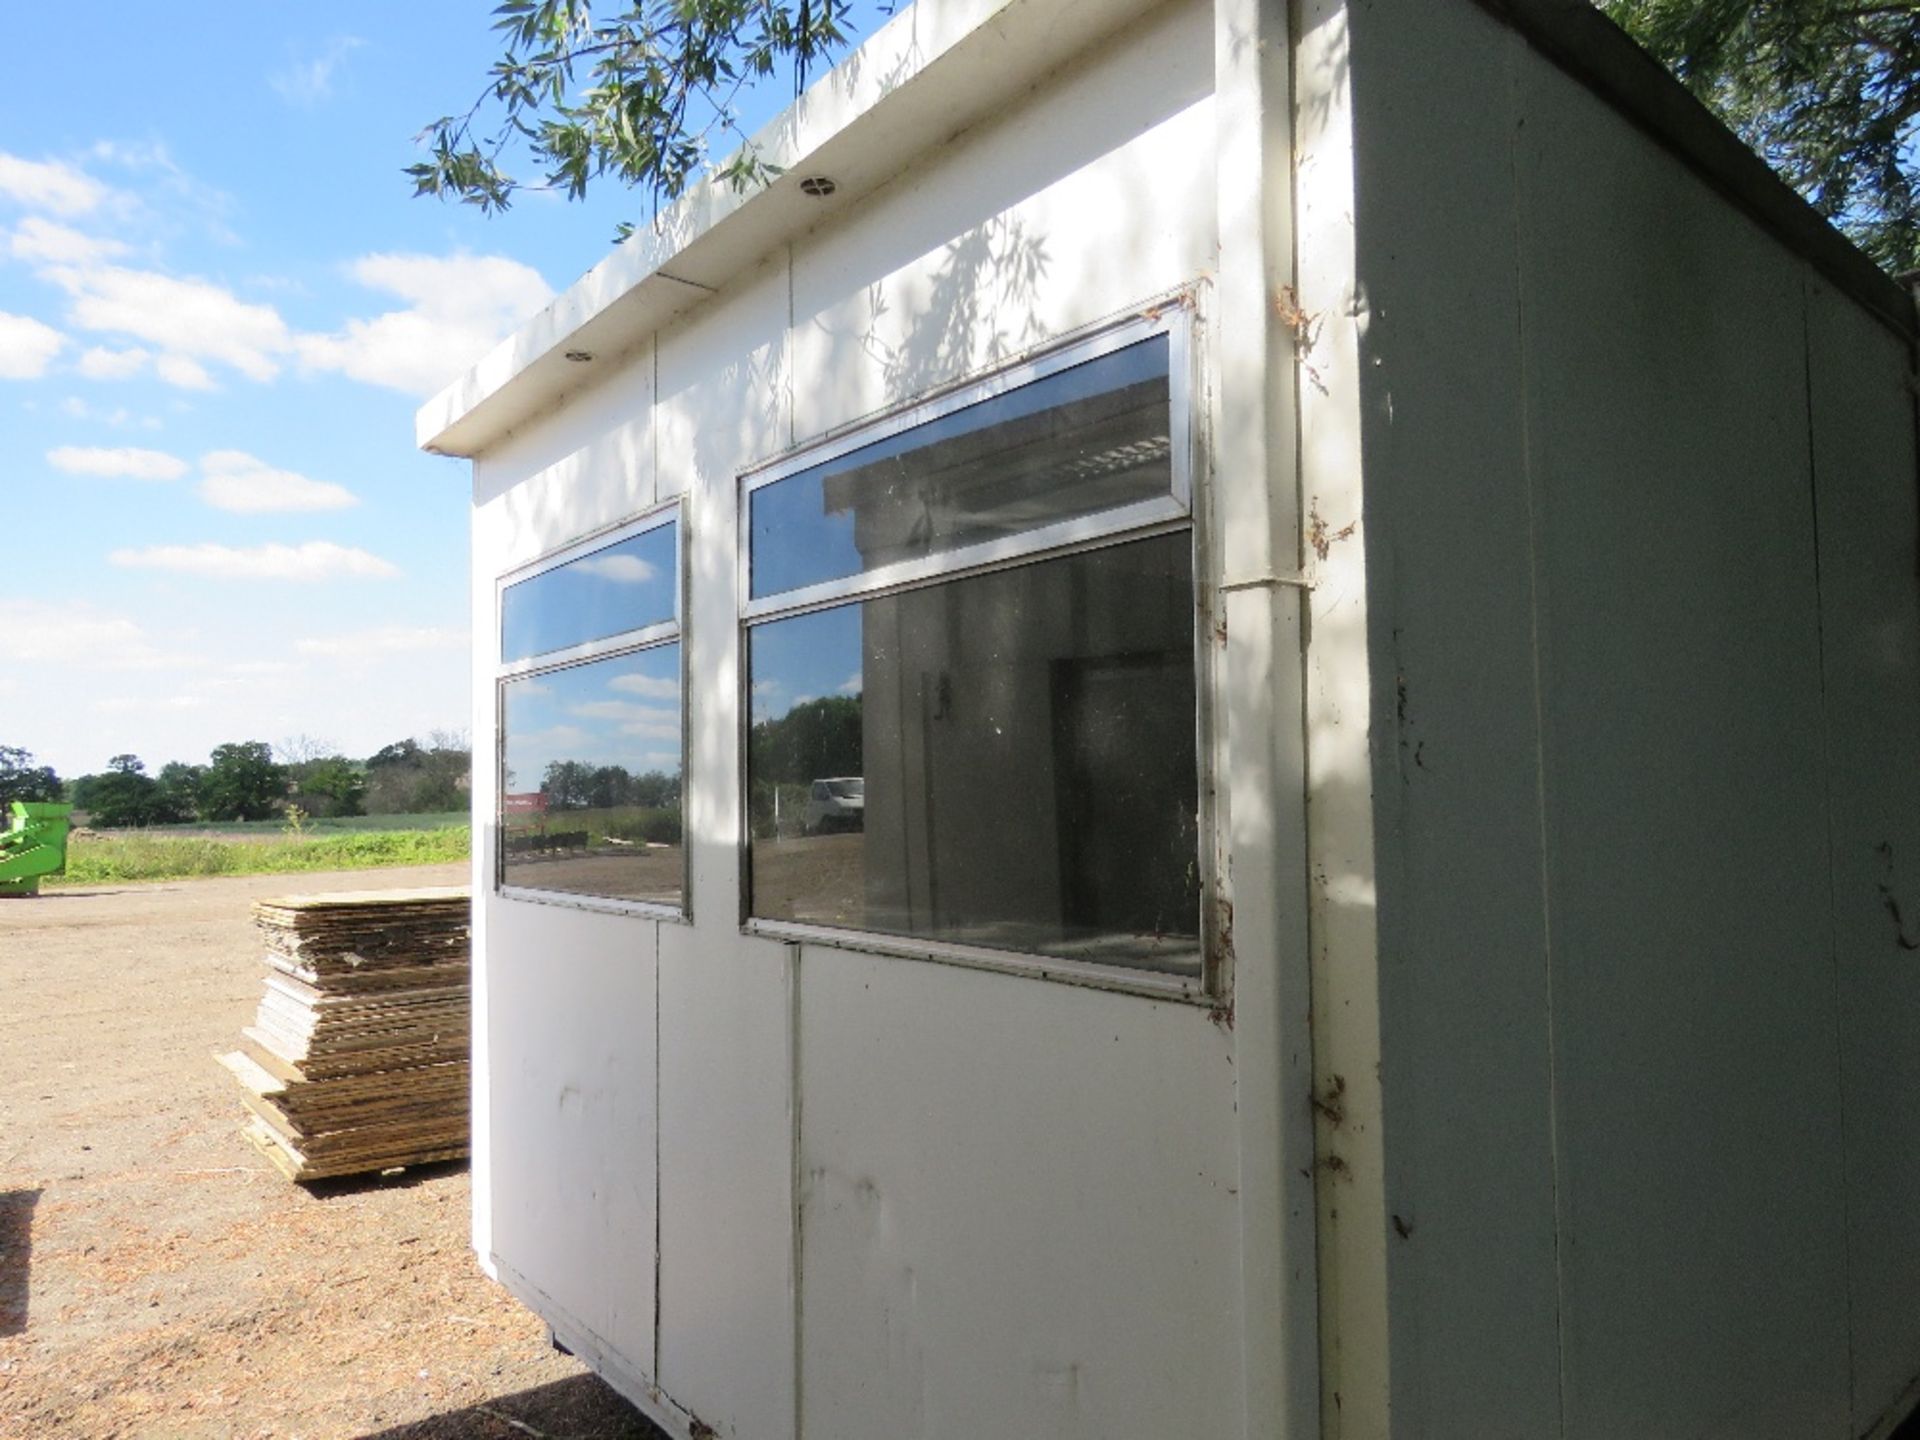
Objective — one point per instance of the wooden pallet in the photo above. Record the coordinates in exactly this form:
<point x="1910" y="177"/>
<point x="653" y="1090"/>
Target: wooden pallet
<point x="357" y="1057"/>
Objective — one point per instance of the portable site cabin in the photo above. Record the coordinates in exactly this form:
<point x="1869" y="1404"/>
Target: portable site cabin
<point x="1210" y="732"/>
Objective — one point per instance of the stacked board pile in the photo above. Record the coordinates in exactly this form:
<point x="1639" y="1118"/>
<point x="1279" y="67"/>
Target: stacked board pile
<point x="357" y="1059"/>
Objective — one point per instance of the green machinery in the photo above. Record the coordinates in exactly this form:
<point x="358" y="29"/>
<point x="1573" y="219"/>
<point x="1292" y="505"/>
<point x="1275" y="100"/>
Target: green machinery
<point x="34" y="845"/>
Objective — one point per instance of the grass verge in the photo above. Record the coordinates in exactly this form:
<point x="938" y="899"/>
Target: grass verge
<point x="92" y="860"/>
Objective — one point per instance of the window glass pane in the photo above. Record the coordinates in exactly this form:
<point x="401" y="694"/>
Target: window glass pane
<point x="590" y="800"/>
<point x="625" y="586"/>
<point x="1006" y="760"/>
<point x="1086" y="439"/>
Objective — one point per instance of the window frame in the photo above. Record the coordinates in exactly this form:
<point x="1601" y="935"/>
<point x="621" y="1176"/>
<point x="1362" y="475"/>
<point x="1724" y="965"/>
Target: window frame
<point x="1176" y="506"/>
<point x="1183" y="508"/>
<point x="626" y="642"/>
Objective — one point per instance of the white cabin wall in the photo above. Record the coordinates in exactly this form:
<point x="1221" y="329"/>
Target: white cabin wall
<point x="570" y="1054"/>
<point x="587" y="465"/>
<point x="1018" y="1201"/>
<point x="726" y="1070"/>
<point x="1018" y="1208"/>
<point x="564" y="999"/>
<point x="1017" y="1198"/>
<point x="1017" y="231"/>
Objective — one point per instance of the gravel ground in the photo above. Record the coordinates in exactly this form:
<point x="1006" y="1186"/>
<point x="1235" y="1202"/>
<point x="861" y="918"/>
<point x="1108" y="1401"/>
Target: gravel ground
<point x="158" y="1278"/>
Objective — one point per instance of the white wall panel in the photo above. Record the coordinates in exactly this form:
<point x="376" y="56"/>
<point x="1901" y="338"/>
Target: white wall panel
<point x="587" y="466"/>
<point x="722" y="384"/>
<point x="570" y="1075"/>
<point x="725" y="1081"/>
<point x="1093" y="196"/>
<point x="726" y="1181"/>
<point x="1465" y="1041"/>
<point x="1863" y="461"/>
<point x="1018" y="1208"/>
<point x="1701" y="1206"/>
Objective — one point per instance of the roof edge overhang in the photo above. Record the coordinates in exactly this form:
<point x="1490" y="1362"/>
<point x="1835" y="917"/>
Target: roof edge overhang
<point x="934" y="70"/>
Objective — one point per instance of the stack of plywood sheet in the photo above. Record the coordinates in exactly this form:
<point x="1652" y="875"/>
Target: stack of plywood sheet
<point x="357" y="1057"/>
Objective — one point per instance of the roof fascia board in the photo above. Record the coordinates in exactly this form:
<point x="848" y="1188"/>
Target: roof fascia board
<point x="934" y="70"/>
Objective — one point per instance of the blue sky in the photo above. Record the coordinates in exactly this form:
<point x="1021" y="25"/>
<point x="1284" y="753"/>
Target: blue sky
<point x="219" y="308"/>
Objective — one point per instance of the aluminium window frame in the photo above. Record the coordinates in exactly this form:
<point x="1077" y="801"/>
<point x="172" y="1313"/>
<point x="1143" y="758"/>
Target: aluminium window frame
<point x="1172" y="320"/>
<point x="1183" y="508"/>
<point x="626" y="642"/>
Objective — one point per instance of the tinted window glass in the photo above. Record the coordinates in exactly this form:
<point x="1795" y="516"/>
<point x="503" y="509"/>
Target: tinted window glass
<point x="1007" y="760"/>
<point x="1090" y="438"/>
<point x="625" y="586"/>
<point x="590" y="795"/>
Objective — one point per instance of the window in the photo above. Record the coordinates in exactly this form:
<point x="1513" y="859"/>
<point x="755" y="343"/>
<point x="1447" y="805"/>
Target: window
<point x="973" y="673"/>
<point x="591" y="728"/>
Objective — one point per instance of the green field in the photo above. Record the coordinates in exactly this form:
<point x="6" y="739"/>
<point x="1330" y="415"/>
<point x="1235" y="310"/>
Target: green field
<point x="350" y="825"/>
<point x="147" y="855"/>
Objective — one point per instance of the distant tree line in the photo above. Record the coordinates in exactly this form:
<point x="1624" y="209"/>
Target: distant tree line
<point x="576" y="785"/>
<point x="252" y="780"/>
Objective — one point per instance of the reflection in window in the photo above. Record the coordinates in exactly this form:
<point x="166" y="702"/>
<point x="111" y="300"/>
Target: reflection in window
<point x="628" y="585"/>
<point x="1083" y="440"/>
<point x="1006" y="760"/>
<point x="590" y="790"/>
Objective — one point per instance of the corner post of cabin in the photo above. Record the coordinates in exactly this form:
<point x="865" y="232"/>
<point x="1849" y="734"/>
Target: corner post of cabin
<point x="1258" y="613"/>
<point x="1324" y="315"/>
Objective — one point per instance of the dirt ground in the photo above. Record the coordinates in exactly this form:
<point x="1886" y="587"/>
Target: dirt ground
<point x="158" y="1278"/>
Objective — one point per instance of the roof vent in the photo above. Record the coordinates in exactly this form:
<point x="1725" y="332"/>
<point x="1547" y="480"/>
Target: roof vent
<point x="818" y="186"/>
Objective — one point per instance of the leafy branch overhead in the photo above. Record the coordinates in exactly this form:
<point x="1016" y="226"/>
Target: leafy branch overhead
<point x="639" y="93"/>
<point x="1827" y="91"/>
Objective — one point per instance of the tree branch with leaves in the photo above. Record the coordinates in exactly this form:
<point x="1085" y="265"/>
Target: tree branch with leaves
<point x="639" y="94"/>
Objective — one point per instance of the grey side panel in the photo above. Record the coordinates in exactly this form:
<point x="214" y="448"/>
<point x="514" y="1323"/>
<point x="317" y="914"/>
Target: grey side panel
<point x="1463" y="929"/>
<point x="1693" y="1008"/>
<point x="1863" y="454"/>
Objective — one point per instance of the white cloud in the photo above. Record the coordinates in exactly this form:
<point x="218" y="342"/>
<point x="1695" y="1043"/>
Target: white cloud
<point x="183" y="374"/>
<point x="100" y="363"/>
<point x="67" y="633"/>
<point x="853" y="684"/>
<point x="557" y="737"/>
<point x="117" y="462"/>
<point x="650" y="687"/>
<point x="387" y="640"/>
<point x="621" y="569"/>
<point x="152" y="166"/>
<point x="652" y="729"/>
<point x="185" y="317"/>
<point x="77" y="409"/>
<point x="459" y="306"/>
<point x="33" y="630"/>
<point x="315" y="560"/>
<point x="625" y="710"/>
<point x="50" y="185"/>
<point x="37" y="238"/>
<point x="27" y="347"/>
<point x="143" y="705"/>
<point x="308" y="82"/>
<point x="236" y="481"/>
